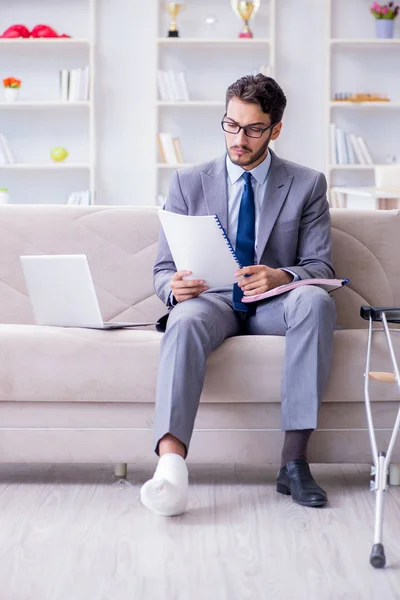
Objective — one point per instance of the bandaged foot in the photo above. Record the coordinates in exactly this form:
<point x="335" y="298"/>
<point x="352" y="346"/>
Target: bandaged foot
<point x="167" y="493"/>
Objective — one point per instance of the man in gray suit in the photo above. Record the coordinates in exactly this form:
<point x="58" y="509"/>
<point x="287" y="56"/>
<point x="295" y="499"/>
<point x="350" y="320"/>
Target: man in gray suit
<point x="277" y="217"/>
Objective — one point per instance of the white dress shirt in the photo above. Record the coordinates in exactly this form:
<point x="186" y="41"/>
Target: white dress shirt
<point x="235" y="186"/>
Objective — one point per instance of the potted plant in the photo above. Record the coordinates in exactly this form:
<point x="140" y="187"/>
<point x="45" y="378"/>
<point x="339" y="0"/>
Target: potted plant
<point x="385" y="15"/>
<point x="11" y="89"/>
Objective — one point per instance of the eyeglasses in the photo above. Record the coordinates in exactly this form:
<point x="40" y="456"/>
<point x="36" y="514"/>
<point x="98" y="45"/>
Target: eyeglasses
<point x="249" y="131"/>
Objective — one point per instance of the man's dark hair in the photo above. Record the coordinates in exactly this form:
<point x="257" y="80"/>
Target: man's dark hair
<point x="260" y="90"/>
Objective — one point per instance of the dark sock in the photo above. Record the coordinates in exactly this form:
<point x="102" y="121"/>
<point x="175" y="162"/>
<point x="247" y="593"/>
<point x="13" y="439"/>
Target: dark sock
<point x="295" y="445"/>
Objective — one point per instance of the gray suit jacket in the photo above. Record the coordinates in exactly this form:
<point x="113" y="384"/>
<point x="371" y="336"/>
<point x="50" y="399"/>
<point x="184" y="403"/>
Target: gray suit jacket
<point x="294" y="229"/>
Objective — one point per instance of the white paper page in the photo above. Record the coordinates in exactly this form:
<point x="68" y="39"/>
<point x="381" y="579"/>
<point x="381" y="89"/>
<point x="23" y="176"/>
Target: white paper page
<point x="197" y="244"/>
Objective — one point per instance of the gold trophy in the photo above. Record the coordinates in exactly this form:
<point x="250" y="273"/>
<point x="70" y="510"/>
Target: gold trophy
<point x="246" y="11"/>
<point x="174" y="8"/>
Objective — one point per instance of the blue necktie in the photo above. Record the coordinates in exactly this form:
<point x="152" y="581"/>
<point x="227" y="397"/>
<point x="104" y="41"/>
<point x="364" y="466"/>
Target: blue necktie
<point x="245" y="237"/>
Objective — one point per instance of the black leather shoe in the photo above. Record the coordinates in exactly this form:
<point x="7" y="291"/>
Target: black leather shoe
<point x="295" y="479"/>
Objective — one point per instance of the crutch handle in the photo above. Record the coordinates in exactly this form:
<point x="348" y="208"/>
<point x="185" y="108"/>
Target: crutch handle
<point x="382" y="376"/>
<point x="375" y="312"/>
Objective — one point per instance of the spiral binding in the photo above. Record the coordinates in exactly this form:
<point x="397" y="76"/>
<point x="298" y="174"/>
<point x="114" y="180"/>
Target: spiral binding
<point x="228" y="241"/>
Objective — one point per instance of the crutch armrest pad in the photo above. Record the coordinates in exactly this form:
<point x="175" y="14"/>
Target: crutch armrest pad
<point x="375" y="312"/>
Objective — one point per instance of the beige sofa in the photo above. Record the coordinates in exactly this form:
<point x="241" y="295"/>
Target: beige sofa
<point x="74" y="395"/>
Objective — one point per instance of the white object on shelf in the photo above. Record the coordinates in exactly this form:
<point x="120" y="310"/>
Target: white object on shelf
<point x="11" y="94"/>
<point x="388" y="177"/>
<point x="4" y="196"/>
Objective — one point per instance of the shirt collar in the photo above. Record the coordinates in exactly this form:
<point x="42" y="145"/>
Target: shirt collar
<point x="259" y="173"/>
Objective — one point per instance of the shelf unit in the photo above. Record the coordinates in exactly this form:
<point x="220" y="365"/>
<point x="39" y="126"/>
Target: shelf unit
<point x="358" y="52"/>
<point x="209" y="68"/>
<point x="48" y="56"/>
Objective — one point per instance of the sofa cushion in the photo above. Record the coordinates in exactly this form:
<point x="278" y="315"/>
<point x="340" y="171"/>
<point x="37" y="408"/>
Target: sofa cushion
<point x="46" y="364"/>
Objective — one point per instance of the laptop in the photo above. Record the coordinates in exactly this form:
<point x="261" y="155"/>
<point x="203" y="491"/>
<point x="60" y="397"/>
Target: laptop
<point x="62" y="292"/>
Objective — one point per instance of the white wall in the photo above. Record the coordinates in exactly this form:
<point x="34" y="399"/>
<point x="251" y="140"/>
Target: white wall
<point x="125" y="100"/>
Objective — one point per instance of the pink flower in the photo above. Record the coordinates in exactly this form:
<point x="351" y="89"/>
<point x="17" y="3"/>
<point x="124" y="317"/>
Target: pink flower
<point x="385" y="10"/>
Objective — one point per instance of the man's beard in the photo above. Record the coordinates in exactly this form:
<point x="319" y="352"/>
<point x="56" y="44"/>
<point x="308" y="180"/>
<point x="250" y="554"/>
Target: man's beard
<point x="253" y="158"/>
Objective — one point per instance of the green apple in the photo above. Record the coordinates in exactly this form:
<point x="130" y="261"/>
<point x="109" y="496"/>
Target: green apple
<point x="59" y="154"/>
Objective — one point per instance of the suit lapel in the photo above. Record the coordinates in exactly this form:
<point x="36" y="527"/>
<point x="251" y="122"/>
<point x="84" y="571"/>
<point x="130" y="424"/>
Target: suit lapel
<point x="215" y="190"/>
<point x="278" y="186"/>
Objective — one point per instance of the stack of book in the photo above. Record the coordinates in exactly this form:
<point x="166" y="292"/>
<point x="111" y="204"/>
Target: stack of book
<point x="172" y="86"/>
<point x="82" y="198"/>
<point x="348" y="148"/>
<point x="170" y="149"/>
<point x="6" y="155"/>
<point x="74" y="85"/>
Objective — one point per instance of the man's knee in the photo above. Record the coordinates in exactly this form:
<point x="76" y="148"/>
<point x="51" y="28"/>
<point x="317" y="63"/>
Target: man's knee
<point x="312" y="300"/>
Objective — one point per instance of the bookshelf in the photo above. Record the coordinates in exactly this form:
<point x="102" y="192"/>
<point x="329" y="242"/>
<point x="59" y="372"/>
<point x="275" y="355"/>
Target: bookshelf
<point x="211" y="61"/>
<point x="356" y="59"/>
<point x="39" y="120"/>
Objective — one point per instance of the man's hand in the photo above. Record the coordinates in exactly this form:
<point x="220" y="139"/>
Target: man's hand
<point x="186" y="289"/>
<point x="261" y="278"/>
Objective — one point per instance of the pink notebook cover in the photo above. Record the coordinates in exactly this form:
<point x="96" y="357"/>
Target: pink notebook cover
<point x="325" y="283"/>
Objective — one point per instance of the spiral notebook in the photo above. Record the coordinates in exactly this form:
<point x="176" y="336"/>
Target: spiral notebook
<point x="200" y="244"/>
<point x="328" y="284"/>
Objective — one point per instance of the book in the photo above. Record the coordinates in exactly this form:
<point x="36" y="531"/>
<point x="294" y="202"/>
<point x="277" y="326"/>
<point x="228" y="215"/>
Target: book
<point x="82" y="198"/>
<point x="343" y="158"/>
<point x="365" y="150"/>
<point x="356" y="148"/>
<point x="75" y="84"/>
<point x="168" y="148"/>
<point x="183" y="88"/>
<point x="8" y="153"/>
<point x="327" y="284"/>
<point x="178" y="150"/>
<point x="332" y="144"/>
<point x="64" y="84"/>
<point x="200" y="244"/>
<point x="350" y="150"/>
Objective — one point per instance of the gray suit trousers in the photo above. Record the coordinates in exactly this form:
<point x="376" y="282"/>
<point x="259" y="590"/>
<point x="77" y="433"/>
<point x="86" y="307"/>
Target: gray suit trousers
<point x="306" y="316"/>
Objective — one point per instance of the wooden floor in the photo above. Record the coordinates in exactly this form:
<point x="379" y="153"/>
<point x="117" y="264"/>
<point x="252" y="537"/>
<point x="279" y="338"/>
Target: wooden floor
<point x="73" y="533"/>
